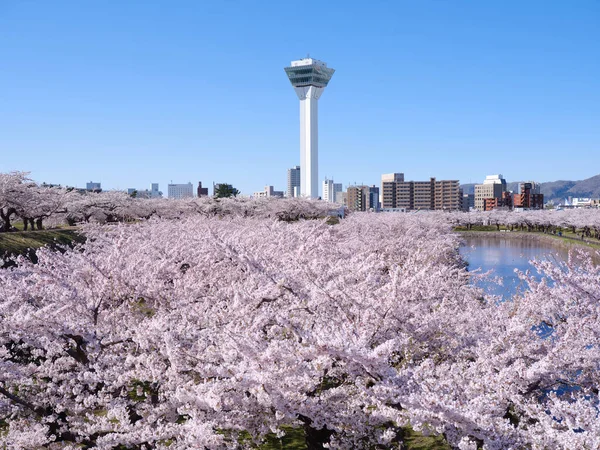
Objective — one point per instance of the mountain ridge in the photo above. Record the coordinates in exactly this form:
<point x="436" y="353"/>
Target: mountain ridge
<point x="556" y="191"/>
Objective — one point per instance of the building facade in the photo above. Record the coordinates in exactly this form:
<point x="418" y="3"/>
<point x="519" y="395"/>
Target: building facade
<point x="419" y="195"/>
<point x="468" y="202"/>
<point x="493" y="186"/>
<point x="93" y="186"/>
<point x="330" y="189"/>
<point x="268" y="191"/>
<point x="293" y="182"/>
<point x="388" y="189"/>
<point x="201" y="191"/>
<point x="178" y="191"/>
<point x="529" y="196"/>
<point x="362" y="198"/>
<point x="154" y="191"/>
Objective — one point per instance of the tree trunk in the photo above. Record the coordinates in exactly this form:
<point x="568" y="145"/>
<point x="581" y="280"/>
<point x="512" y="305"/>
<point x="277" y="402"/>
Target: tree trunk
<point x="5" y="216"/>
<point x="38" y="223"/>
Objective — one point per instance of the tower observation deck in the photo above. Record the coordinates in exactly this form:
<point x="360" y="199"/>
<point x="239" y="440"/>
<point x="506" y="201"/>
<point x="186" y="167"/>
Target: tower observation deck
<point x="309" y="77"/>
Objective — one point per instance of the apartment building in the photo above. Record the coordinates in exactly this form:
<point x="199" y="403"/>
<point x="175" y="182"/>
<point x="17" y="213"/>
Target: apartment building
<point x="420" y="195"/>
<point x="363" y="198"/>
<point x="388" y="188"/>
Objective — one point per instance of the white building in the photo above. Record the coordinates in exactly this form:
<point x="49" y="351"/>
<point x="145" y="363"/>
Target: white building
<point x="268" y="191"/>
<point x="180" y="190"/>
<point x="309" y="78"/>
<point x="153" y="193"/>
<point x="330" y="189"/>
<point x="293" y="182"/>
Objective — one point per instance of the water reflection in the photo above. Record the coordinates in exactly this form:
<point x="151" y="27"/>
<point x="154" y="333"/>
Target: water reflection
<point x="503" y="255"/>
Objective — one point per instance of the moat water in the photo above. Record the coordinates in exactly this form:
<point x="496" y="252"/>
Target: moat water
<point x="502" y="255"/>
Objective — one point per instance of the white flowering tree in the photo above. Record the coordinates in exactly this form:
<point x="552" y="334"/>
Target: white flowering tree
<point x="201" y="332"/>
<point x="14" y="194"/>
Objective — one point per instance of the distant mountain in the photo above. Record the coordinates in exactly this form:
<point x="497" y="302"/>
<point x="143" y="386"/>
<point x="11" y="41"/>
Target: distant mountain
<point x="556" y="190"/>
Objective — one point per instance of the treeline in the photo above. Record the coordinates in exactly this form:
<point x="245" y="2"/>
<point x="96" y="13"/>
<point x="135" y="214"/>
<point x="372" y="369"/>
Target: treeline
<point x="36" y="205"/>
<point x="584" y="222"/>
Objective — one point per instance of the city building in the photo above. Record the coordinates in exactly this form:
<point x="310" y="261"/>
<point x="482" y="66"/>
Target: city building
<point x="529" y="196"/>
<point x="293" y="182"/>
<point x="493" y="186"/>
<point x="356" y="200"/>
<point x="178" y="191"/>
<point x="200" y="191"/>
<point x="362" y="198"/>
<point x="504" y="202"/>
<point x="268" y="191"/>
<point x="417" y="195"/>
<point x="373" y="198"/>
<point x="145" y="193"/>
<point x="388" y="189"/>
<point x="154" y="192"/>
<point x="468" y="202"/>
<point x="330" y="189"/>
<point x="93" y="186"/>
<point x="309" y="77"/>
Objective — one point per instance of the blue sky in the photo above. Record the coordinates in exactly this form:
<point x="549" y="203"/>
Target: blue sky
<point x="133" y="92"/>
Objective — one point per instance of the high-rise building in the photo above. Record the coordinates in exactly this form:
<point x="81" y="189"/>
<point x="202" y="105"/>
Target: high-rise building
<point x="93" y="186"/>
<point x="293" y="182"/>
<point x="468" y="202"/>
<point x="363" y="198"/>
<point x="200" y="191"/>
<point x="493" y="186"/>
<point x="181" y="190"/>
<point x="388" y="188"/>
<point x="415" y="195"/>
<point x="154" y="192"/>
<point x="309" y="77"/>
<point x="330" y="189"/>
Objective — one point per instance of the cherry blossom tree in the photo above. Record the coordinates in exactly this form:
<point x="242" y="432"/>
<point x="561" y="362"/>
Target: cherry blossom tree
<point x="14" y="193"/>
<point x="197" y="332"/>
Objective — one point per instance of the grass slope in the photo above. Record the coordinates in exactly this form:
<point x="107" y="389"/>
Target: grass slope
<point x="20" y="242"/>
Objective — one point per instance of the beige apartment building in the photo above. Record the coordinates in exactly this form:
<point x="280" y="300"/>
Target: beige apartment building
<point x="419" y="195"/>
<point x="493" y="186"/>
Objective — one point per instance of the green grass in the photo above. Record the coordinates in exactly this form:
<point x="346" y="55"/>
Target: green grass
<point x="294" y="440"/>
<point x="417" y="441"/>
<point x="19" y="242"/>
<point x="480" y="228"/>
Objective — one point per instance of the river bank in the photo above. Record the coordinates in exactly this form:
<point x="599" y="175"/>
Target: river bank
<point x="566" y="242"/>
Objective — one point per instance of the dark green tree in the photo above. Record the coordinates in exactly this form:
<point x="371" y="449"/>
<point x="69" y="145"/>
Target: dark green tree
<point x="224" y="190"/>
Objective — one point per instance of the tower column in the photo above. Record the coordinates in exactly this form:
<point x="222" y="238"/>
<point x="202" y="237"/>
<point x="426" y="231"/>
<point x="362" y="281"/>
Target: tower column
<point x="309" y="143"/>
<point x="309" y="77"/>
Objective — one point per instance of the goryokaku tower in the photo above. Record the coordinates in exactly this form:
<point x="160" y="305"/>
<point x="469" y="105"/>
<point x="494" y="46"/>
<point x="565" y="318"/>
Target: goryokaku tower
<point x="309" y="77"/>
